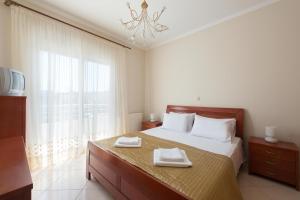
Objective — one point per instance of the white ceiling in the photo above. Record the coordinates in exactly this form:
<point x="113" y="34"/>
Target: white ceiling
<point x="182" y="16"/>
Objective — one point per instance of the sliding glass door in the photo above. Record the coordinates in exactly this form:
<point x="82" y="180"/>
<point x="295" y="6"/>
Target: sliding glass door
<point x="75" y="83"/>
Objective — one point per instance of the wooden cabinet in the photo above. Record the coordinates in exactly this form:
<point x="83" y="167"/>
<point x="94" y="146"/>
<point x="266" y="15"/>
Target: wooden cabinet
<point x="277" y="161"/>
<point x="148" y="124"/>
<point x="15" y="178"/>
<point x="12" y="116"/>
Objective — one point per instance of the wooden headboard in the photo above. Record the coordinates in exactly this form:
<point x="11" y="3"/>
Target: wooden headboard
<point x="219" y="113"/>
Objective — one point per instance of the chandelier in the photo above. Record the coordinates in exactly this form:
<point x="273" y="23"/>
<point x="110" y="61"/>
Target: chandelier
<point x="143" y="24"/>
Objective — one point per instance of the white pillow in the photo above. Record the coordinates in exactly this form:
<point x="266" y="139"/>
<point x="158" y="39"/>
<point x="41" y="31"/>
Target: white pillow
<point x="190" y="119"/>
<point x="219" y="129"/>
<point x="175" y="122"/>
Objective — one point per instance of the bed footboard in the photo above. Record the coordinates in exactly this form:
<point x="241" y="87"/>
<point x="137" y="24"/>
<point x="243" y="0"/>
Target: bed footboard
<point x="123" y="180"/>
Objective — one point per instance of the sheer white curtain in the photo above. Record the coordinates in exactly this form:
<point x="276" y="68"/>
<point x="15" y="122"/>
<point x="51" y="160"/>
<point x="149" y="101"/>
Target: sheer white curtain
<point x="75" y="83"/>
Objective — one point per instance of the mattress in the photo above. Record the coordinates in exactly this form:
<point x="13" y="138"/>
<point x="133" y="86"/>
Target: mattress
<point x="231" y="149"/>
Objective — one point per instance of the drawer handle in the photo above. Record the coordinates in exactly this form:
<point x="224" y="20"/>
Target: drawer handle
<point x="270" y="152"/>
<point x="270" y="173"/>
<point x="270" y="163"/>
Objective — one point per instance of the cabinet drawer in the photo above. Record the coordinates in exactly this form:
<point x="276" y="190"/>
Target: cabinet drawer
<point x="269" y="153"/>
<point x="277" y="174"/>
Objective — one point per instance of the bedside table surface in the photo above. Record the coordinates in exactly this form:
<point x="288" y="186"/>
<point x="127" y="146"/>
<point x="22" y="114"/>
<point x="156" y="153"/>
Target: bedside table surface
<point x="282" y="145"/>
<point x="149" y="124"/>
<point x="154" y="122"/>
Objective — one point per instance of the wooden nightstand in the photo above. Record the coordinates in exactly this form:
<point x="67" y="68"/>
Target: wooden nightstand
<point x="148" y="124"/>
<point x="277" y="161"/>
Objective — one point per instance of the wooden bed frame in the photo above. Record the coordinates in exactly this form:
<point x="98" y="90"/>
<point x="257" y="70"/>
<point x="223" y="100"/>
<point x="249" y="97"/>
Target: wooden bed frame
<point x="125" y="181"/>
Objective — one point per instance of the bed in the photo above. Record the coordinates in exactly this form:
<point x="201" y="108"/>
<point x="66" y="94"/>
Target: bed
<point x="233" y="150"/>
<point x="126" y="178"/>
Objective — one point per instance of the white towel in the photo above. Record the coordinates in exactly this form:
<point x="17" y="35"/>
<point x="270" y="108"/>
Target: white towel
<point x="171" y="155"/>
<point x="158" y="162"/>
<point x="128" y="140"/>
<point x="139" y="144"/>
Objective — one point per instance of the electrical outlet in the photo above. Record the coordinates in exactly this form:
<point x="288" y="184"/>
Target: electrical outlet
<point x="198" y="98"/>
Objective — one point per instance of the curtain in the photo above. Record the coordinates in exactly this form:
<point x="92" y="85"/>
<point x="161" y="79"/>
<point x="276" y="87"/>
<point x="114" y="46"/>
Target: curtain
<point x="75" y="84"/>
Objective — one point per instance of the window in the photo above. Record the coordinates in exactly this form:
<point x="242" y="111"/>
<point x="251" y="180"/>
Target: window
<point x="71" y="96"/>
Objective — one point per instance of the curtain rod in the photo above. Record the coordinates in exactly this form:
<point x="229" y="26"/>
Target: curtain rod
<point x="11" y="2"/>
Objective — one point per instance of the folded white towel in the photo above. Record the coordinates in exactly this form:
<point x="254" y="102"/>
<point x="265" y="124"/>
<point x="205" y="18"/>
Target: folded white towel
<point x="171" y="155"/>
<point x="158" y="162"/>
<point x="139" y="144"/>
<point x="128" y="140"/>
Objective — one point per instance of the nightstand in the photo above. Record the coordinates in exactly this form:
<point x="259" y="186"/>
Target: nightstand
<point x="277" y="161"/>
<point x="149" y="124"/>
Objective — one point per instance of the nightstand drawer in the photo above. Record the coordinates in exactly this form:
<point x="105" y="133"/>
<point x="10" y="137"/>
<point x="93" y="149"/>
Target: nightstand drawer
<point x="272" y="164"/>
<point x="269" y="153"/>
<point x="280" y="175"/>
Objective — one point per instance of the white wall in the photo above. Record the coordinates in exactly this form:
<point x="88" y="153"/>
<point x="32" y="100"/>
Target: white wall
<point x="136" y="80"/>
<point x="251" y="62"/>
<point x="136" y="58"/>
<point x="136" y="88"/>
<point x="4" y="35"/>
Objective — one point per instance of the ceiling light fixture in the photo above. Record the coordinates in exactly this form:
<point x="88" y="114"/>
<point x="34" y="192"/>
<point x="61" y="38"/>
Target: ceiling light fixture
<point x="143" y="23"/>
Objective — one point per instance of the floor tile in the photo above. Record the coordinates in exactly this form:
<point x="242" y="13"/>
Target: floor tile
<point x="36" y="195"/>
<point x="253" y="193"/>
<point x="69" y="180"/>
<point x="60" y="195"/>
<point x="244" y="179"/>
<point x="255" y="187"/>
<point x="43" y="180"/>
<point x="282" y="192"/>
<point x="92" y="184"/>
<point x="92" y="194"/>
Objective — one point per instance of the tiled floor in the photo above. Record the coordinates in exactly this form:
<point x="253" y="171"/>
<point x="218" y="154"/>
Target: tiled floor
<point x="68" y="182"/>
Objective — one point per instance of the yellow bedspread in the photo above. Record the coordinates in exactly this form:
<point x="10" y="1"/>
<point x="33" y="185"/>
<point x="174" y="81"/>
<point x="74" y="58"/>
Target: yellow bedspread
<point x="211" y="177"/>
